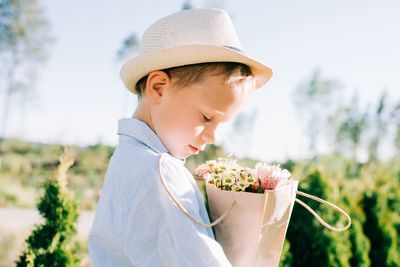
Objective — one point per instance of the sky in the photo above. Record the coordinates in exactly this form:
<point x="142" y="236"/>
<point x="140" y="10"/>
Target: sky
<point x="79" y="95"/>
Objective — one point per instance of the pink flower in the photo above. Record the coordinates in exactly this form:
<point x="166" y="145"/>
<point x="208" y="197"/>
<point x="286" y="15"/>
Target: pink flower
<point x="270" y="176"/>
<point x="205" y="168"/>
<point x="202" y="169"/>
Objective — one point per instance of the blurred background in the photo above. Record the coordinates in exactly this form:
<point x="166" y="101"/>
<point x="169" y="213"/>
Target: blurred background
<point x="331" y="113"/>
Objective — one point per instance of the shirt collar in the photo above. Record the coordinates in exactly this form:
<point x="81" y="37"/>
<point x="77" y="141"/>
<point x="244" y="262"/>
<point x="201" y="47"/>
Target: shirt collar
<point x="141" y="131"/>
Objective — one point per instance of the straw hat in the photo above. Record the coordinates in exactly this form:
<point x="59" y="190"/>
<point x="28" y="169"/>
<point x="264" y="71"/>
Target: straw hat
<point x="189" y="37"/>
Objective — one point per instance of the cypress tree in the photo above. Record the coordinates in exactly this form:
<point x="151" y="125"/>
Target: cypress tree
<point x="311" y="244"/>
<point x="379" y="228"/>
<point x="360" y="244"/>
<point x="50" y="242"/>
<point x="286" y="256"/>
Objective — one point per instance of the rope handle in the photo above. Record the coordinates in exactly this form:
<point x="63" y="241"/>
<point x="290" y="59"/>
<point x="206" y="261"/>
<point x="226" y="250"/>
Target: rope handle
<point x="184" y="210"/>
<point x="321" y="221"/>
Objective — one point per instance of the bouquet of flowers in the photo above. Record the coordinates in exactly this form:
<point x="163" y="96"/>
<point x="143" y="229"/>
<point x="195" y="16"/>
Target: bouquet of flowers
<point x="226" y="174"/>
<point x="251" y="208"/>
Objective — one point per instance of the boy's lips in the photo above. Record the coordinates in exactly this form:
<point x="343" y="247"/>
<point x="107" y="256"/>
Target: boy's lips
<point x="195" y="150"/>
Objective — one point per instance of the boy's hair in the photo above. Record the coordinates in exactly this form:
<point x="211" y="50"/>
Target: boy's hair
<point x="190" y="74"/>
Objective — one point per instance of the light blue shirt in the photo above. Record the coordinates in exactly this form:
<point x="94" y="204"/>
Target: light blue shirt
<point x="136" y="223"/>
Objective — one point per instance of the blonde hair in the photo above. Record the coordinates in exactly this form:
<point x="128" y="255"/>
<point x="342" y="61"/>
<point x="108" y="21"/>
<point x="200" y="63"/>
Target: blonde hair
<point x="190" y="74"/>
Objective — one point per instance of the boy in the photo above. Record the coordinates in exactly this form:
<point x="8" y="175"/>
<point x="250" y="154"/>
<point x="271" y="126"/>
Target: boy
<point x="190" y="77"/>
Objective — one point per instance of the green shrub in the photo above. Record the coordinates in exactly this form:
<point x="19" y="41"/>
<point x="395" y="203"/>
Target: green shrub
<point x="311" y="244"/>
<point x="379" y="228"/>
<point x="50" y="243"/>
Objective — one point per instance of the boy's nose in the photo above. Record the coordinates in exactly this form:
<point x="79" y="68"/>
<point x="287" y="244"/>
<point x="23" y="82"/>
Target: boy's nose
<point x="208" y="136"/>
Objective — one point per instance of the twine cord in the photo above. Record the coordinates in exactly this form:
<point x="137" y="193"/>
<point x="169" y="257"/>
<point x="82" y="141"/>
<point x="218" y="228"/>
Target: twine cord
<point x="321" y="221"/>
<point x="184" y="210"/>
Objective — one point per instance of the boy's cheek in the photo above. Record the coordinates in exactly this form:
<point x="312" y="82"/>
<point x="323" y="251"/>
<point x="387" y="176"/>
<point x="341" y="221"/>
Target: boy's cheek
<point x="198" y="130"/>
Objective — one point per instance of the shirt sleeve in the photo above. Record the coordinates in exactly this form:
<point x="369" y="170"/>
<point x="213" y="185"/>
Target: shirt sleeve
<point x="157" y="230"/>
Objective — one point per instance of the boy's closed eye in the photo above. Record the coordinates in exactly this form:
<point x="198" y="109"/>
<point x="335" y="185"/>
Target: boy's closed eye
<point x="206" y="119"/>
<point x="210" y="118"/>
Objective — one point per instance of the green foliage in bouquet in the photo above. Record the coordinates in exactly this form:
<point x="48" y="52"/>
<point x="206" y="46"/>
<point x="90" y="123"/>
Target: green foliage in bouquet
<point x="50" y="243"/>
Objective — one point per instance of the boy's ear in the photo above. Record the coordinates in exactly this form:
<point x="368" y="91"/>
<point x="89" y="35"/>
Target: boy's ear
<point x="156" y="84"/>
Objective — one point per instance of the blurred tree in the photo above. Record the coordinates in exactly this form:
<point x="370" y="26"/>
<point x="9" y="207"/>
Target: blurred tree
<point x="24" y="36"/>
<point x="238" y="139"/>
<point x="380" y="123"/>
<point x="379" y="229"/>
<point x="352" y="125"/>
<point x="381" y="206"/>
<point x="289" y="165"/>
<point x="395" y="116"/>
<point x="311" y="244"/>
<point x="397" y="138"/>
<point x="50" y="243"/>
<point x="316" y="100"/>
<point x="129" y="46"/>
<point x="131" y="43"/>
<point x="187" y="5"/>
<point x="360" y="245"/>
<point x="392" y="186"/>
<point x="286" y="256"/>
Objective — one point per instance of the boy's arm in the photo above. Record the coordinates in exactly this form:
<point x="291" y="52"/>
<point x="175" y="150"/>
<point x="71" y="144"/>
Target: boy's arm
<point x="158" y="232"/>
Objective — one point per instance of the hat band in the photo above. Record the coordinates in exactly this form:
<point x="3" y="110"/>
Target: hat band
<point x="233" y="48"/>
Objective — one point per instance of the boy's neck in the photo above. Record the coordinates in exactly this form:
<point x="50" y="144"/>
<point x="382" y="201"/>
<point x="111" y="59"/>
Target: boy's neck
<point x="142" y="113"/>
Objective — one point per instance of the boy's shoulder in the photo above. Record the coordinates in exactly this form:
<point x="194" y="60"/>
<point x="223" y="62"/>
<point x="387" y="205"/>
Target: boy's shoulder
<point x="149" y="174"/>
<point x="138" y="161"/>
<point x="140" y="155"/>
<point x="134" y="159"/>
<point x="139" y="147"/>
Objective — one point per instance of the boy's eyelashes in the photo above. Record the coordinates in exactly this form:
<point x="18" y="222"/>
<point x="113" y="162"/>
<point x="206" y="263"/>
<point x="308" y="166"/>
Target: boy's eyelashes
<point x="206" y="119"/>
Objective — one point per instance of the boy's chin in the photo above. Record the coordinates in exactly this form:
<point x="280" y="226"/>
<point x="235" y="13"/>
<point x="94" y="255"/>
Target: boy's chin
<point x="183" y="154"/>
<point x="179" y="154"/>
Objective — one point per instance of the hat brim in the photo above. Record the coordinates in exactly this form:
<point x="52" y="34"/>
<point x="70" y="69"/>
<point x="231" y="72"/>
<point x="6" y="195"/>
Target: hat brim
<point x="138" y="67"/>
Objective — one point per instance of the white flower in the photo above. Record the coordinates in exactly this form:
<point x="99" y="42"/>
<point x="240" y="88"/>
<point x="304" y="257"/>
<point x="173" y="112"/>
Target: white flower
<point x="228" y="178"/>
<point x="226" y="174"/>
